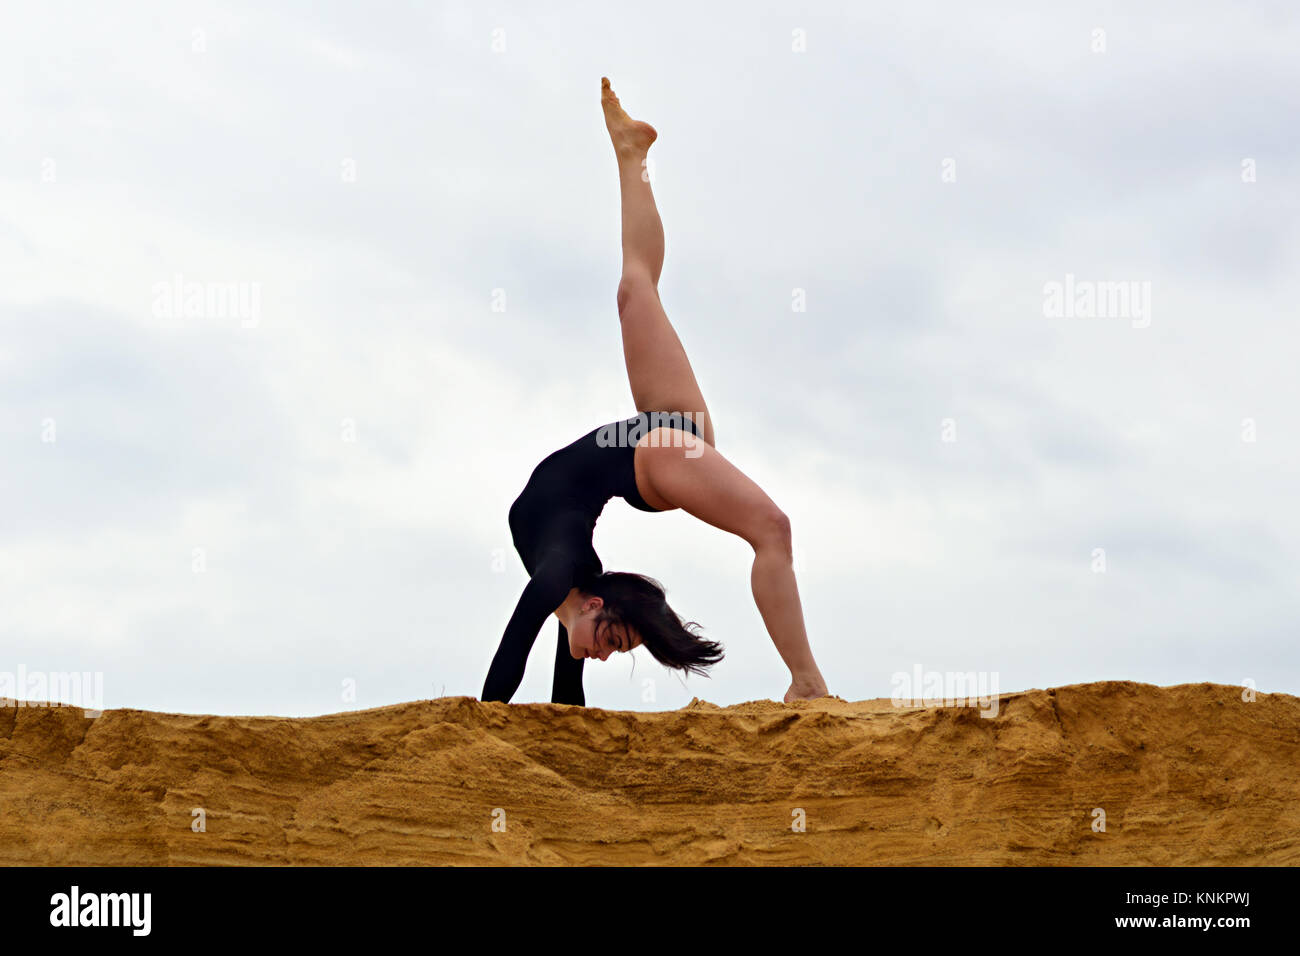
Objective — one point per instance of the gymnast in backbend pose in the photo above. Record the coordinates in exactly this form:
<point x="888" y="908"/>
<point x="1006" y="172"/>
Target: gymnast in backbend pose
<point x="663" y="458"/>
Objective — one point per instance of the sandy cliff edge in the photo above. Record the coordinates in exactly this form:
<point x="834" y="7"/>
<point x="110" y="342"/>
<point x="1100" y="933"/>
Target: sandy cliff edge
<point x="1186" y="775"/>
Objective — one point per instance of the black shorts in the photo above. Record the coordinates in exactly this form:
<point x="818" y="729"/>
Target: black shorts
<point x="646" y="422"/>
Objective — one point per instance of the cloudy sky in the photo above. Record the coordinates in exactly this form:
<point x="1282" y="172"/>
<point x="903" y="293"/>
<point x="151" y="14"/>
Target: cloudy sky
<point x="294" y="502"/>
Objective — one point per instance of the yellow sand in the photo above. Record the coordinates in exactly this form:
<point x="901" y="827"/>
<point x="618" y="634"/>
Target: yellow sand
<point x="1186" y="775"/>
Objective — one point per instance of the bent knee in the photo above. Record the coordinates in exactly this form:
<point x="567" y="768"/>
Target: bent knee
<point x="773" y="533"/>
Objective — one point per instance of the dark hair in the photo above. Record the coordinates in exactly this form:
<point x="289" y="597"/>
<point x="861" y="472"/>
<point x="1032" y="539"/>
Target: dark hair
<point x="637" y="602"/>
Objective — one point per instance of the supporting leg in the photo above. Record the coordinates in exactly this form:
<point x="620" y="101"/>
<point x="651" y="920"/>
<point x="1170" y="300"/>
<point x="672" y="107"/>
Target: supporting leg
<point x="777" y="595"/>
<point x="711" y="488"/>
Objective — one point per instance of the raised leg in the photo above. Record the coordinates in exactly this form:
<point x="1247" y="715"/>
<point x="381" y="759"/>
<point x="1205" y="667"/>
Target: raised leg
<point x="643" y="230"/>
<point x="658" y="370"/>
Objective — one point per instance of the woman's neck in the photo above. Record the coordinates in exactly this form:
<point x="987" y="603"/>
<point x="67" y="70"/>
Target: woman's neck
<point x="569" y="610"/>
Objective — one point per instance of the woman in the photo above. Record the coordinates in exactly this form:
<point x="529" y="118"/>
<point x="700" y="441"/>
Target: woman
<point x="661" y="459"/>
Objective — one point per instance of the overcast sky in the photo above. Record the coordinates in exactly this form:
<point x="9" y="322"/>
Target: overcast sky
<point x="250" y="512"/>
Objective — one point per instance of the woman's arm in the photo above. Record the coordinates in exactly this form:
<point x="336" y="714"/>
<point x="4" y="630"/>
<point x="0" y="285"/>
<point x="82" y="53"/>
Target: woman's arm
<point x="546" y="590"/>
<point x="566" y="682"/>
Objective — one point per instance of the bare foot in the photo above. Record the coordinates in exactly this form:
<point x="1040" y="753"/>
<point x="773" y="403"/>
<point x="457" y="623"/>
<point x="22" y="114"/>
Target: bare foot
<point x="799" y="691"/>
<point x="631" y="138"/>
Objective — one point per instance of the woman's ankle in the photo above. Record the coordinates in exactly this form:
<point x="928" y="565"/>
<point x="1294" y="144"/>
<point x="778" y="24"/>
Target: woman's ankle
<point x="810" y="685"/>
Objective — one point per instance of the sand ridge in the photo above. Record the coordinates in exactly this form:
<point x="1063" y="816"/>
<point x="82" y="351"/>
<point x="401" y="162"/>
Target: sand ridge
<point x="1185" y="775"/>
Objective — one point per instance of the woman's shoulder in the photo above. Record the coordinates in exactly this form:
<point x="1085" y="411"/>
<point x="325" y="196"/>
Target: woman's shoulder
<point x="569" y="542"/>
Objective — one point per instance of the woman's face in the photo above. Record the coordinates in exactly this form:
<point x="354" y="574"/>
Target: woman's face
<point x="589" y="638"/>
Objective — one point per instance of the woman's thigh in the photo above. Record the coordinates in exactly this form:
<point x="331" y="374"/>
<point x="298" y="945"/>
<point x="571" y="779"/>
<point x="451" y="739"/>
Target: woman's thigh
<point x="676" y="470"/>
<point x="658" y="370"/>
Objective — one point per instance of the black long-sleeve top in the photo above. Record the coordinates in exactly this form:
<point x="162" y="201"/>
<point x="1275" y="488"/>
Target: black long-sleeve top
<point x="552" y="523"/>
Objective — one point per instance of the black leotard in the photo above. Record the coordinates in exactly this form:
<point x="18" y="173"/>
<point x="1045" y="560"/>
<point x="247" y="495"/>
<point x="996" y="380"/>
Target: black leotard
<point x="551" y="524"/>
